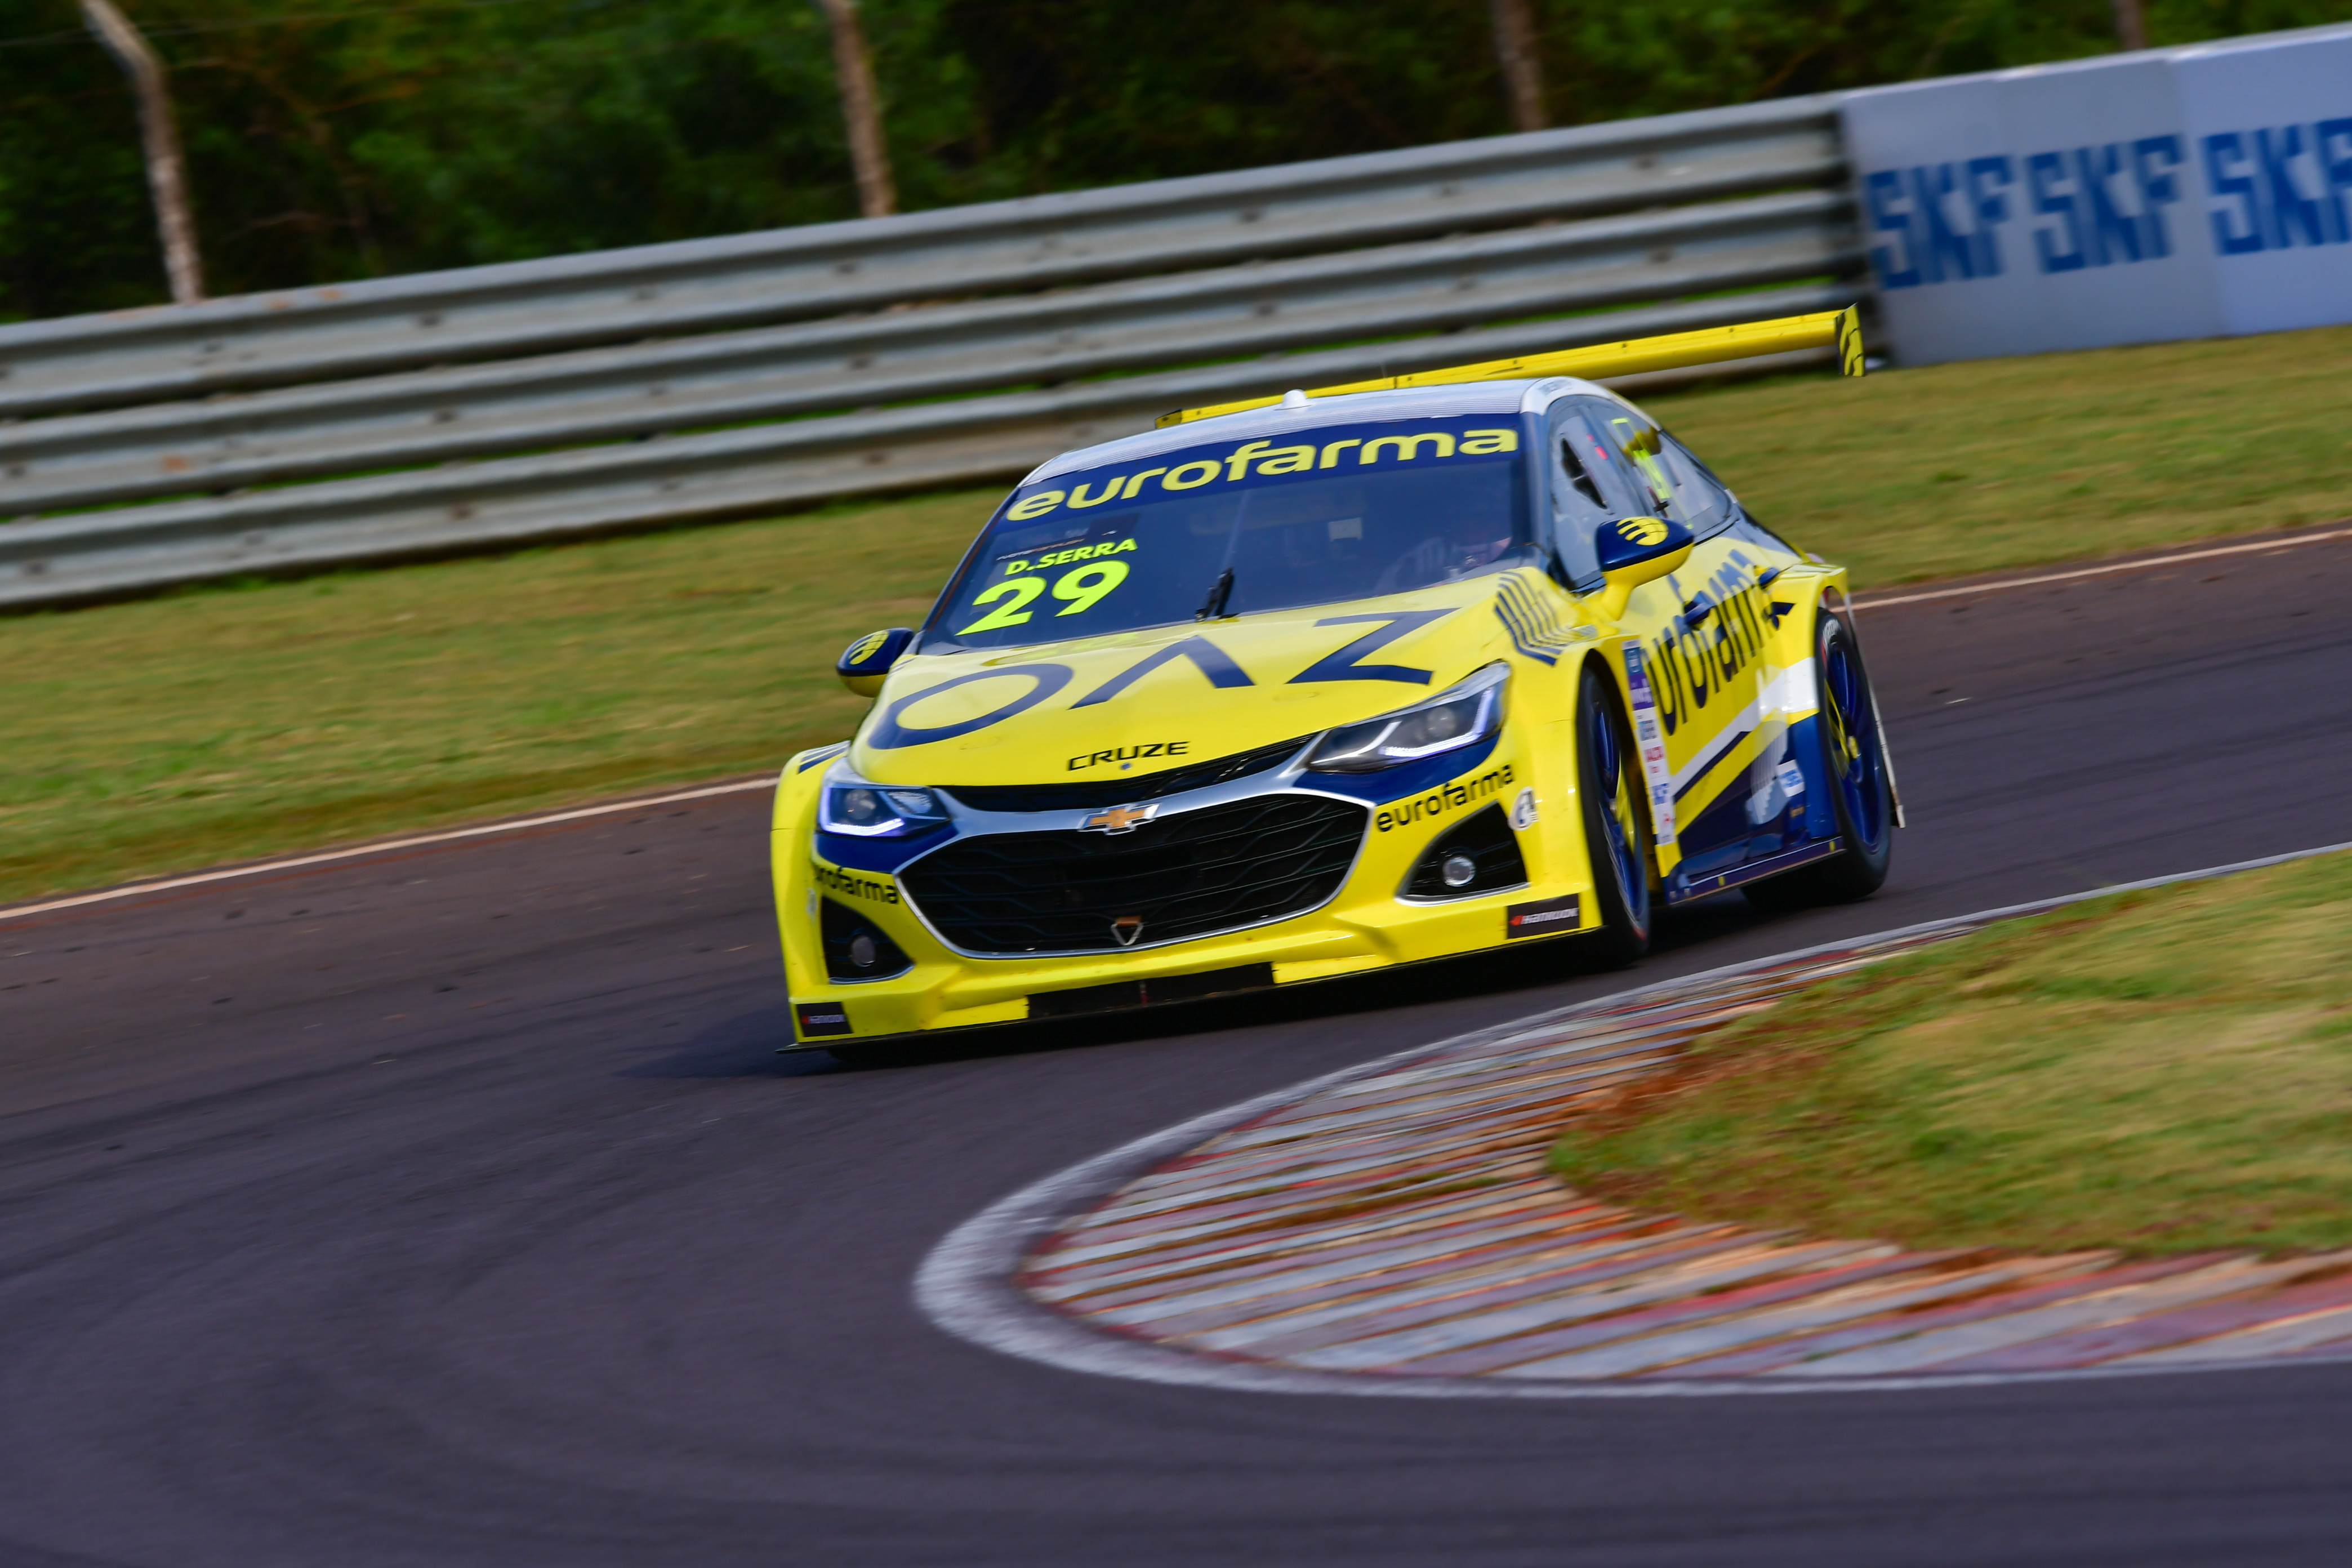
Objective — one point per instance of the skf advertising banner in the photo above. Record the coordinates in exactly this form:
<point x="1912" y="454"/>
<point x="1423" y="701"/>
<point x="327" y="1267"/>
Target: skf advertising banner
<point x="2171" y="193"/>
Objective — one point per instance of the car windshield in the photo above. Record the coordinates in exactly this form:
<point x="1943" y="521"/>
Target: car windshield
<point x="1311" y="517"/>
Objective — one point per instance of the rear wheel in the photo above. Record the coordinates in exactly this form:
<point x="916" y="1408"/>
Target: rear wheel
<point x="1616" y="821"/>
<point x="1860" y="793"/>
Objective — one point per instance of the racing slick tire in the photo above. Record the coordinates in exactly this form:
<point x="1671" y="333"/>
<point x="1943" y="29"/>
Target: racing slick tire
<point x="1860" y="792"/>
<point x="1616" y="822"/>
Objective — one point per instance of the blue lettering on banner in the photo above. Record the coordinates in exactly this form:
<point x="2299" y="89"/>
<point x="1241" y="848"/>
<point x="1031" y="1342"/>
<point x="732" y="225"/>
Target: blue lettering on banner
<point x="2090" y="207"/>
<point x="2279" y="186"/>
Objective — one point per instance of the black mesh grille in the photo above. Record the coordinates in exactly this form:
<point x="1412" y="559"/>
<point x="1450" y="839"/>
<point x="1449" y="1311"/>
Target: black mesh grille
<point x="1123" y="790"/>
<point x="1186" y="875"/>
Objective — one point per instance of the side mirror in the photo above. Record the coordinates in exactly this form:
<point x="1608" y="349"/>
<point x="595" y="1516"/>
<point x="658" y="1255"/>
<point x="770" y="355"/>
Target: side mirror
<point x="864" y="663"/>
<point x="1634" y="550"/>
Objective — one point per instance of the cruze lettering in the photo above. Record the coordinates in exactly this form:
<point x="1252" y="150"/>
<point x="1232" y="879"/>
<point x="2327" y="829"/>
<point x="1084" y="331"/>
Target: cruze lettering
<point x="1438" y="801"/>
<point x="1129" y="754"/>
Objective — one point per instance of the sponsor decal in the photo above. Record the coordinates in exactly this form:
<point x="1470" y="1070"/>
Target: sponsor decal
<point x="1694" y="659"/>
<point x="1542" y="917"/>
<point x="1261" y="459"/>
<point x="852" y="884"/>
<point x="1128" y="754"/>
<point x="1652" y="745"/>
<point x="1447" y="798"/>
<point x="820" y="1018"/>
<point x="1121" y="819"/>
<point x="1207" y="658"/>
<point x="1523" y="810"/>
<point x="892" y="732"/>
<point x="1346" y="663"/>
<point x="1792" y="780"/>
<point x="1641" y="531"/>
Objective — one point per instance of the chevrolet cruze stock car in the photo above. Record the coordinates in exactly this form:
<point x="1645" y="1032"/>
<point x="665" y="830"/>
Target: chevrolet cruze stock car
<point x="1328" y="683"/>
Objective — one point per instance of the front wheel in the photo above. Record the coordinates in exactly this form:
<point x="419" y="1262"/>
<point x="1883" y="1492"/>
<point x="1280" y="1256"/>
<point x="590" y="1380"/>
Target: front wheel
<point x="1861" y="794"/>
<point x="1616" y="821"/>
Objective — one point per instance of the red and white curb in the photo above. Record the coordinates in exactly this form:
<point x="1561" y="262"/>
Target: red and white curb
<point x="1390" y="1229"/>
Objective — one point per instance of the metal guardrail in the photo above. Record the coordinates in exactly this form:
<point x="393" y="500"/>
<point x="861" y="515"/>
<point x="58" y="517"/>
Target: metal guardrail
<point x="781" y="394"/>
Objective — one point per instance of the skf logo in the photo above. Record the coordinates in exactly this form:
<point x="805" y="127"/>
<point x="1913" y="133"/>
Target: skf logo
<point x="1641" y="531"/>
<point x="1120" y="819"/>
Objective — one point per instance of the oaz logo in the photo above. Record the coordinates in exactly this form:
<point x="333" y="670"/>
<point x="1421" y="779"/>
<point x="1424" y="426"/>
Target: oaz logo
<point x="1644" y="531"/>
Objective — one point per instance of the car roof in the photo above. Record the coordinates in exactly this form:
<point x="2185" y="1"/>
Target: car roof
<point x="1506" y="398"/>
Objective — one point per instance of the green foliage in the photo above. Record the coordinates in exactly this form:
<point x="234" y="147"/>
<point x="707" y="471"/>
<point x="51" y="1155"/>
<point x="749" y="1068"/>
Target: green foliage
<point x="333" y="139"/>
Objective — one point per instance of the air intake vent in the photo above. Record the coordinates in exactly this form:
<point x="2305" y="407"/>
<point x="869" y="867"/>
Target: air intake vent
<point x="855" y="949"/>
<point x="1485" y="845"/>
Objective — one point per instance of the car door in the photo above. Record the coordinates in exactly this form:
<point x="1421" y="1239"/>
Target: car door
<point x="1700" y="643"/>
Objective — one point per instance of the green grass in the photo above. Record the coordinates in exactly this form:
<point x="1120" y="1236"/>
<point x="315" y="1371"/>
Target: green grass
<point x="2160" y="1071"/>
<point x="1969" y="468"/>
<point x="213" y="724"/>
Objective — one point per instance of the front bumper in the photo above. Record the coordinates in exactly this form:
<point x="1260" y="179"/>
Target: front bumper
<point x="1370" y="922"/>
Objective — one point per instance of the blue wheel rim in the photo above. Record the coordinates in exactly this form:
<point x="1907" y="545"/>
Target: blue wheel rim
<point x="1853" y="738"/>
<point x="1609" y="769"/>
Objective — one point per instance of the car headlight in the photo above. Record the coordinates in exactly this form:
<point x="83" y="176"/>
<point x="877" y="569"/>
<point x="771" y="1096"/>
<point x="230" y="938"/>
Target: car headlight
<point x="1459" y="716"/>
<point x="850" y="804"/>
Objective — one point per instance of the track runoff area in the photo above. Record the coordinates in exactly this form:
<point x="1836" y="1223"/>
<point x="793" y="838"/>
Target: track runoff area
<point x="444" y="1198"/>
<point x="1392" y="1229"/>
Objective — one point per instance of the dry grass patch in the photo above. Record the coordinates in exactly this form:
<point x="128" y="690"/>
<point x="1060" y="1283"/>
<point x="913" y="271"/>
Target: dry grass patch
<point x="2161" y="1071"/>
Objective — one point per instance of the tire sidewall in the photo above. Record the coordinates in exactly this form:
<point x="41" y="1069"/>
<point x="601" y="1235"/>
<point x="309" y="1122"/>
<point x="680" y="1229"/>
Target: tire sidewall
<point x="1830" y="628"/>
<point x="1626" y="913"/>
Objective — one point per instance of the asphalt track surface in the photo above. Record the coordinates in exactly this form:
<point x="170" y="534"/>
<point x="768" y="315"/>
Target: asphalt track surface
<point x="451" y="1206"/>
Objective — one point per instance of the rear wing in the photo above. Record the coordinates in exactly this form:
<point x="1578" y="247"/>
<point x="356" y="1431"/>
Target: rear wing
<point x="1841" y="329"/>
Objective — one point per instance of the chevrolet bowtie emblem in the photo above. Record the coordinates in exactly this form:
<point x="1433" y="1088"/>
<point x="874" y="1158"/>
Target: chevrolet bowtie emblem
<point x="1119" y="819"/>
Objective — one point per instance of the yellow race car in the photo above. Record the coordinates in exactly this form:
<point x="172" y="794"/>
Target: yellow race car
<point x="1328" y="683"/>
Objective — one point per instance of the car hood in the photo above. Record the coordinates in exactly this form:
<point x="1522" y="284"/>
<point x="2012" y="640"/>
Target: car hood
<point x="1139" y="702"/>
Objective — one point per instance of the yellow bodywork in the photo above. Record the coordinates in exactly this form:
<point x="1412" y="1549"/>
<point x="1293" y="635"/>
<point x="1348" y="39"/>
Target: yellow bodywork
<point x="1366" y="926"/>
<point x="1722" y="700"/>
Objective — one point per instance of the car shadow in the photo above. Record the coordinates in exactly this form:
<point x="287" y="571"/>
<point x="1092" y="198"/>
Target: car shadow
<point x="734" y="1049"/>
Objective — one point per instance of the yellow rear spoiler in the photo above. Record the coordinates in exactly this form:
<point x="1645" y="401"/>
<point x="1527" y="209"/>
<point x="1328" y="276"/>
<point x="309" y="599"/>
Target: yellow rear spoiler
<point x="1841" y="329"/>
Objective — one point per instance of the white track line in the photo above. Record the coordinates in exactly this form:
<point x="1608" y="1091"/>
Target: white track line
<point x="327" y="857"/>
<point x="1865" y="602"/>
<point x="965" y="1284"/>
